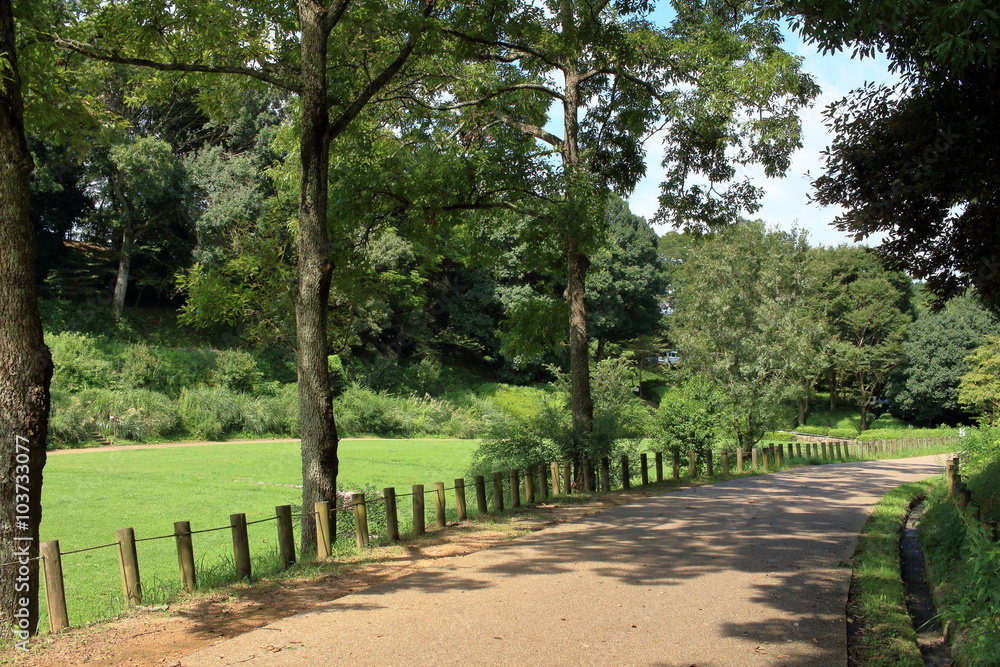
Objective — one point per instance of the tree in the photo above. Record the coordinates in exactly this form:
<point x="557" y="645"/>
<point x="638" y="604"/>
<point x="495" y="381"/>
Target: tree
<point x="25" y="363"/>
<point x="715" y="81"/>
<point x="917" y="161"/>
<point x="979" y="389"/>
<point x="937" y="344"/>
<point x="868" y="309"/>
<point x="336" y="57"/>
<point x="741" y="318"/>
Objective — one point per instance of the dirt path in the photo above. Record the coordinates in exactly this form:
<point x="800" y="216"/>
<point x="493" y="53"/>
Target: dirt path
<point x="747" y="572"/>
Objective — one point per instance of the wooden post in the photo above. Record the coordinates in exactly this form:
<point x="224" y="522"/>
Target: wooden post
<point x="605" y="474"/>
<point x="824" y="449"/>
<point x="391" y="514"/>
<point x="644" y="468"/>
<point x="677" y="464"/>
<point x="709" y="471"/>
<point x="725" y="462"/>
<point x="692" y="464"/>
<point x="798" y="450"/>
<point x="543" y="481"/>
<point x="529" y="486"/>
<point x="626" y="474"/>
<point x="481" y="506"/>
<point x="767" y="458"/>
<point x="755" y="457"/>
<point x="739" y="458"/>
<point x="779" y="458"/>
<point x="515" y="489"/>
<point x="836" y="446"/>
<point x="360" y="520"/>
<point x="185" y="554"/>
<point x="659" y="466"/>
<point x="324" y="545"/>
<point x="241" y="545"/>
<point x="128" y="562"/>
<point x="286" y="535"/>
<point x="440" y="515"/>
<point x="460" y="508"/>
<point x="55" y="592"/>
<point x="555" y="479"/>
<point x="498" y="491"/>
<point x="567" y="484"/>
<point x="990" y="528"/>
<point x="419" y="521"/>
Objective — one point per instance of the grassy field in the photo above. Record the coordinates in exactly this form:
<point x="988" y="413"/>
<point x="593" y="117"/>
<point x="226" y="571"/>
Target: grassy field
<point x="88" y="495"/>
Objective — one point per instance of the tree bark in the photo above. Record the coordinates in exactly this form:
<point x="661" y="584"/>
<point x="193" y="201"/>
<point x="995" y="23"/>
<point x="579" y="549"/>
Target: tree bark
<point x="124" y="269"/>
<point x="803" y="410"/>
<point x="316" y="421"/>
<point x="25" y="363"/>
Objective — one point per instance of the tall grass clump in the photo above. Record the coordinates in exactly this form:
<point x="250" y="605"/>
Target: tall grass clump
<point x="208" y="412"/>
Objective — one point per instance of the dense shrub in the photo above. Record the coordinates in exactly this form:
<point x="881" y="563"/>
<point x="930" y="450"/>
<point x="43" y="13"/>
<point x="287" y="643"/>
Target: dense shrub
<point x="905" y="433"/>
<point x="237" y="371"/>
<point x="813" y="430"/>
<point x="688" y="418"/>
<point x="70" y="422"/>
<point x="140" y="414"/>
<point x="208" y="413"/>
<point x="78" y="363"/>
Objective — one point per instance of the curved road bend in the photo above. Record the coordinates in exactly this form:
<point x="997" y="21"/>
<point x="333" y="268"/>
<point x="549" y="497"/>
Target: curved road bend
<point x="746" y="572"/>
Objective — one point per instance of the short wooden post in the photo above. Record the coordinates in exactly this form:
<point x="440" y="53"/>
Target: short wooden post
<point x="677" y="464"/>
<point x="772" y="454"/>
<point x="658" y="462"/>
<point x="739" y="459"/>
<point x="692" y="464"/>
<point x="481" y="506"/>
<point x="515" y="489"/>
<point x="241" y="545"/>
<point x="391" y="514"/>
<point x="709" y="470"/>
<point x="286" y="535"/>
<point x="128" y="562"/>
<point x="440" y="516"/>
<point x="460" y="508"/>
<point x="965" y="498"/>
<point x="725" y="462"/>
<point x="360" y="520"/>
<point x="555" y="478"/>
<point x="798" y="450"/>
<point x="644" y="468"/>
<point x="626" y="474"/>
<point x="419" y="520"/>
<point x="324" y="545"/>
<point x="529" y="486"/>
<point x="185" y="555"/>
<point x="55" y="592"/>
<point x="779" y="456"/>
<point x="837" y="449"/>
<point x="823" y="444"/>
<point x="767" y="457"/>
<point x="543" y="481"/>
<point x="755" y="458"/>
<point x="498" y="491"/>
<point x="567" y="483"/>
<point x="605" y="474"/>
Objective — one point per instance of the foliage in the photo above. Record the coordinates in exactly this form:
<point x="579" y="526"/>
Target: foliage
<point x="742" y="319"/>
<point x="690" y="417"/>
<point x="915" y="162"/>
<point x="237" y="371"/>
<point x="926" y="391"/>
<point x="979" y="389"/>
<point x="208" y="413"/>
<point x="79" y="364"/>
<point x="981" y="447"/>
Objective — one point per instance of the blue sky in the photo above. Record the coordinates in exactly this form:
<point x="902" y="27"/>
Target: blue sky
<point x="786" y="202"/>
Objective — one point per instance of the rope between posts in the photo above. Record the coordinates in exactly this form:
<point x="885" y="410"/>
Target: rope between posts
<point x="78" y="551"/>
<point x="209" y="530"/>
<point x="270" y="518"/>
<point x="150" y="539"/>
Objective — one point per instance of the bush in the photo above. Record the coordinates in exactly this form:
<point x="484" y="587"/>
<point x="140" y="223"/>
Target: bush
<point x="78" y="362"/>
<point x="424" y="378"/>
<point x="779" y="437"/>
<point x="843" y="433"/>
<point x="140" y="414"/>
<point x="237" y="371"/>
<point x="208" y="413"/>
<point x="688" y="417"/>
<point x="69" y="422"/>
<point x="813" y="430"/>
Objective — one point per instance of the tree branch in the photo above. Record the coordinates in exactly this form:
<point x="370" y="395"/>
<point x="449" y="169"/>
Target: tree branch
<point x="113" y="56"/>
<point x="527" y="128"/>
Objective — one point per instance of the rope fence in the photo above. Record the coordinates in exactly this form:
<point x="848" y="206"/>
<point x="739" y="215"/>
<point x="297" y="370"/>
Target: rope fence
<point x="491" y="496"/>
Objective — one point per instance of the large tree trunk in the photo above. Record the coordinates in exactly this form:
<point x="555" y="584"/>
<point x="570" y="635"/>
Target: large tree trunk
<point x="124" y="269"/>
<point x="581" y="403"/>
<point x="318" y="430"/>
<point x="25" y="363"/>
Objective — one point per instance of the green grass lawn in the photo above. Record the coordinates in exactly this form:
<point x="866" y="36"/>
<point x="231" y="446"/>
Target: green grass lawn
<point x="88" y="495"/>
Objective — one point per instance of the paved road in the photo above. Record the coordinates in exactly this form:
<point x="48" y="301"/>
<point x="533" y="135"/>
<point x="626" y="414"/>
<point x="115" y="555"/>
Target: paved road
<point x="747" y="572"/>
